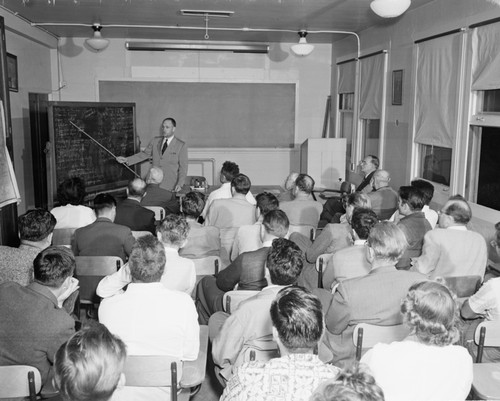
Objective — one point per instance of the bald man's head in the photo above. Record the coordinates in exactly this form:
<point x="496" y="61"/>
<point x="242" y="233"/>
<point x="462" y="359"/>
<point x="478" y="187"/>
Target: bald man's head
<point x="155" y="175"/>
<point x="456" y="209"/>
<point x="381" y="178"/>
<point x="136" y="188"/>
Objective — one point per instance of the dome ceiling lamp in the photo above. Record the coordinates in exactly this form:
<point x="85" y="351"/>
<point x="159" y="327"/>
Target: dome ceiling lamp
<point x="302" y="48"/>
<point x="97" y="42"/>
<point x="389" y="8"/>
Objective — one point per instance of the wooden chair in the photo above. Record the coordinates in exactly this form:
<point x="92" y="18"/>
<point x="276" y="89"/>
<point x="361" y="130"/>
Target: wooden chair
<point x="207" y="266"/>
<point x="63" y="236"/>
<point x="464" y="286"/>
<point x="306" y="230"/>
<point x="140" y="234"/>
<point x="321" y="263"/>
<point x="89" y="271"/>
<point x="486" y="382"/>
<point x="159" y="212"/>
<point x="19" y="381"/>
<point x="366" y="335"/>
<point x="232" y="299"/>
<point x="184" y="378"/>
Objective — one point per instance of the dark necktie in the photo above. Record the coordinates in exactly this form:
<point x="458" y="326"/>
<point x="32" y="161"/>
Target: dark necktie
<point x="164" y="147"/>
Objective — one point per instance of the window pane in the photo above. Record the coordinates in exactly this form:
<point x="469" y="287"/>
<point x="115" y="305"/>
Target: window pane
<point x="488" y="193"/>
<point x="346" y="101"/>
<point x="491" y="101"/>
<point x="346" y="132"/>
<point x="435" y="164"/>
<point x="371" y="137"/>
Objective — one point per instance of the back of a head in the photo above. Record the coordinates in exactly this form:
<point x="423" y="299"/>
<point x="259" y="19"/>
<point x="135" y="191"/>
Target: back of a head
<point x="71" y="191"/>
<point x="458" y="208"/>
<point x="362" y="221"/>
<point x="193" y="204"/>
<point x="359" y="199"/>
<point x="229" y="170"/>
<point x="267" y="201"/>
<point x="304" y="183"/>
<point x="387" y="241"/>
<point x="430" y="310"/>
<point x="284" y="261"/>
<point x="298" y="319"/>
<point x="426" y="188"/>
<point x="276" y="223"/>
<point x="36" y="224"/>
<point x="413" y="197"/>
<point x="174" y="230"/>
<point x="154" y="176"/>
<point x="382" y="178"/>
<point x="290" y="181"/>
<point x="103" y="202"/>
<point x="136" y="188"/>
<point x="352" y="384"/>
<point x="147" y="260"/>
<point x="53" y="265"/>
<point x="89" y="365"/>
<point x="241" y="184"/>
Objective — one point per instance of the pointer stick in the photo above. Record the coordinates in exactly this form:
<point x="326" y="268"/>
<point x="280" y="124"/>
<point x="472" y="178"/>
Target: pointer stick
<point x="102" y="146"/>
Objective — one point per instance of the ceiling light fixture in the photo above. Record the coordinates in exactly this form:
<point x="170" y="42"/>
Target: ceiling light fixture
<point x="389" y="8"/>
<point x="204" y="47"/>
<point x="97" y="42"/>
<point x="203" y="13"/>
<point x="302" y="48"/>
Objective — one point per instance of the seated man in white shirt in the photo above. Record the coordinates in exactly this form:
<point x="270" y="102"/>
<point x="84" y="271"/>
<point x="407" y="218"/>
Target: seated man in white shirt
<point x="303" y="210"/>
<point x="150" y="318"/>
<point x="179" y="273"/>
<point x="452" y="250"/>
<point x="250" y="326"/>
<point x="227" y="173"/>
<point x="248" y="237"/>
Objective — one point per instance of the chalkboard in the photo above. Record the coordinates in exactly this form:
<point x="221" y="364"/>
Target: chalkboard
<point x="208" y="114"/>
<point x="73" y="154"/>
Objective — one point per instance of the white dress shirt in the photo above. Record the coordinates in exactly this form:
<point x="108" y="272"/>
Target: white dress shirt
<point x="73" y="216"/>
<point x="224" y="192"/>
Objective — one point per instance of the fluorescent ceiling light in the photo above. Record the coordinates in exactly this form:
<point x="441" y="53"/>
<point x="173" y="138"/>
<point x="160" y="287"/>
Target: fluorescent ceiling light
<point x="390" y="8"/>
<point x="162" y="46"/>
<point x="206" y="13"/>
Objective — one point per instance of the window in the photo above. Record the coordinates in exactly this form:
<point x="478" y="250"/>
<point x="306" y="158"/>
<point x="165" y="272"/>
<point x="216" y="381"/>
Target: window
<point x="371" y="137"/>
<point x="435" y="164"/>
<point x="346" y="116"/>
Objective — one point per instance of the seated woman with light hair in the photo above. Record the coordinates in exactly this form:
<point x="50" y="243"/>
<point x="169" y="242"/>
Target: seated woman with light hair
<point x="426" y="365"/>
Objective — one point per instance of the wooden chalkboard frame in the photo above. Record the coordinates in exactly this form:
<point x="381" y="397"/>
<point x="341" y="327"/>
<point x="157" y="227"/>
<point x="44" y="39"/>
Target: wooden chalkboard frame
<point x="91" y="110"/>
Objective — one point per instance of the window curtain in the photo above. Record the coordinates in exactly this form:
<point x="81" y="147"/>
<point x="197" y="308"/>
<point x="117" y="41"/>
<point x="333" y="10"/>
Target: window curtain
<point x="347" y="77"/>
<point x="486" y="57"/>
<point x="372" y="75"/>
<point x="9" y="192"/>
<point x="438" y="83"/>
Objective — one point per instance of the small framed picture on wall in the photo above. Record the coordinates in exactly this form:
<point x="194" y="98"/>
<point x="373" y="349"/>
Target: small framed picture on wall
<point x="12" y="72"/>
<point x="397" y="87"/>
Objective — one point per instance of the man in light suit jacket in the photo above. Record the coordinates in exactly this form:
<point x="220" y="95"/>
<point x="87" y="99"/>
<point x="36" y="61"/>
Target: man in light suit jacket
<point x="351" y="261"/>
<point x="130" y="213"/>
<point x="374" y="298"/>
<point x="167" y="152"/>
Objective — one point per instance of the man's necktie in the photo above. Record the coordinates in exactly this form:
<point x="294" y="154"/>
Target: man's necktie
<point x="164" y="147"/>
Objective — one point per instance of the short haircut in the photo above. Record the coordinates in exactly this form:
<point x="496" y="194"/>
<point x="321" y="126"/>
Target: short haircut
<point x="267" y="201"/>
<point x="174" y="229"/>
<point x="241" y="184"/>
<point x="375" y="161"/>
<point x="36" y="225"/>
<point x="88" y="366"/>
<point x="71" y="191"/>
<point x="413" y="197"/>
<point x="193" y="204"/>
<point x="359" y="199"/>
<point x="426" y="188"/>
<point x="304" y="183"/>
<point x="174" y="123"/>
<point x="284" y="261"/>
<point x="155" y="175"/>
<point x="352" y="384"/>
<point x="290" y="181"/>
<point x="362" y="221"/>
<point x="458" y="208"/>
<point x="276" y="222"/>
<point x="147" y="260"/>
<point x="53" y="265"/>
<point x="387" y="241"/>
<point x="136" y="187"/>
<point x="103" y="202"/>
<point x="431" y="311"/>
<point x="229" y="170"/>
<point x="298" y="318"/>
<point x="497" y="233"/>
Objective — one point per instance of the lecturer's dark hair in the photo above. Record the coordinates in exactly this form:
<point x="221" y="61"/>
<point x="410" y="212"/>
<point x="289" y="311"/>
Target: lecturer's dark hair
<point x="174" y="123"/>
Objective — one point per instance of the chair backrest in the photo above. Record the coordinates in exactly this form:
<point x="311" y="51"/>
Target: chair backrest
<point x="207" y="266"/>
<point x="63" y="236"/>
<point x="321" y="263"/>
<point x="464" y="286"/>
<point x="159" y="212"/>
<point x="19" y="381"/>
<point x="487" y="334"/>
<point x="306" y="230"/>
<point x="139" y="234"/>
<point x="232" y="299"/>
<point x="90" y="270"/>
<point x="366" y="335"/>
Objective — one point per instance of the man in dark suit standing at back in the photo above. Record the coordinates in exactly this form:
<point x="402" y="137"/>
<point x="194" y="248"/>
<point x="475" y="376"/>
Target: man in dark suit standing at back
<point x="167" y="152"/>
<point x="130" y="213"/>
